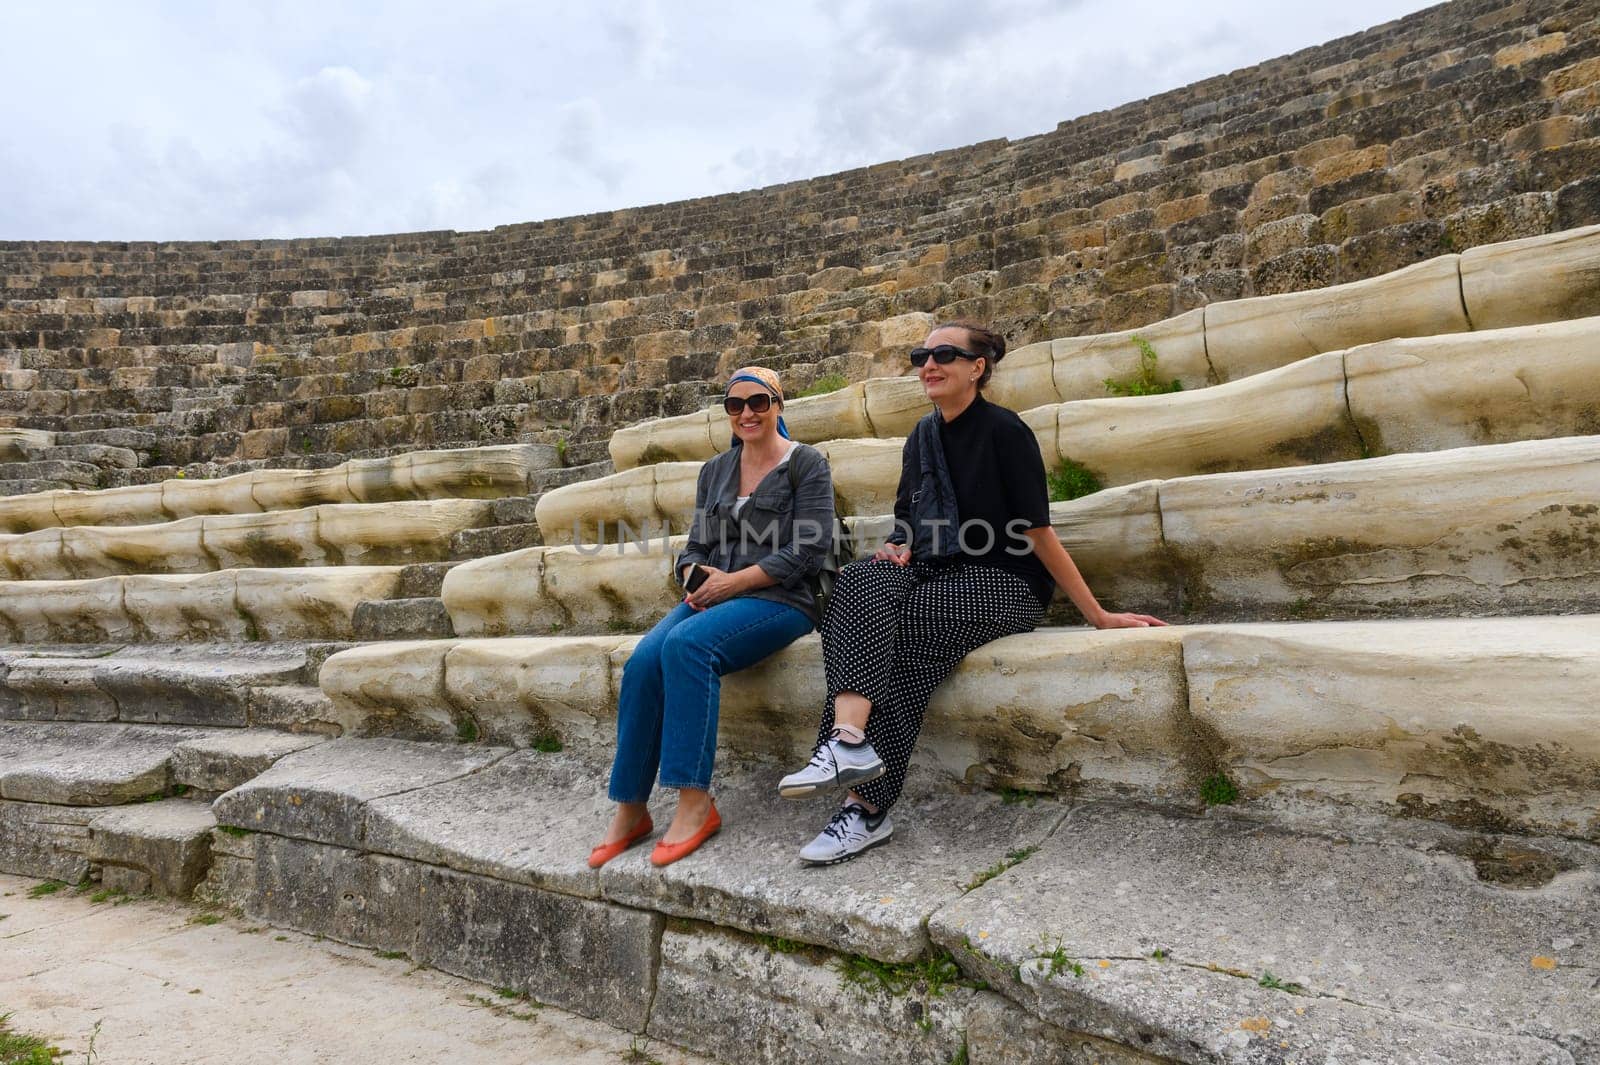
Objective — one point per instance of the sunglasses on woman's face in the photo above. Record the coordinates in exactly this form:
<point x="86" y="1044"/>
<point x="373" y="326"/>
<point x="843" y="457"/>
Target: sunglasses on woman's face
<point x="760" y="403"/>
<point x="944" y="355"/>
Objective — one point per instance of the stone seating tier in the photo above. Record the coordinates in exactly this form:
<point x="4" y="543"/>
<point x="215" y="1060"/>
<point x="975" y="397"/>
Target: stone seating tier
<point x="1309" y="173"/>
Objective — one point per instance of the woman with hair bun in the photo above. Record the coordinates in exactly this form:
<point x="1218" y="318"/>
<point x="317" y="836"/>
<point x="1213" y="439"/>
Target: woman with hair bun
<point x="973" y="558"/>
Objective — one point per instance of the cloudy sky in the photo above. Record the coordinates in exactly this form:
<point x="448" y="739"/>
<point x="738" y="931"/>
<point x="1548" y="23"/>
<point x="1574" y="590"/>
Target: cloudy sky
<point x="196" y="120"/>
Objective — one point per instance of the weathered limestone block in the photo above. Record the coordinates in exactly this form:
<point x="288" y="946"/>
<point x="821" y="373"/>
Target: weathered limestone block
<point x="865" y="474"/>
<point x="74" y="764"/>
<point x="65" y="611"/>
<point x="47" y="688"/>
<point x="1115" y="538"/>
<point x="1000" y="1032"/>
<point x="222" y="761"/>
<point x="294" y="489"/>
<point x="894" y="406"/>
<point x="273" y="538"/>
<point x="1084" y="364"/>
<point x="501" y="595"/>
<point x="522" y="691"/>
<point x="586" y="956"/>
<point x="1358" y="925"/>
<point x="1066" y="709"/>
<point x="470" y="473"/>
<point x="1292" y="415"/>
<point x="160" y="847"/>
<point x="626" y="587"/>
<point x="105" y="551"/>
<point x="226" y="495"/>
<point x="1245" y="337"/>
<point x="336" y="892"/>
<point x="1501" y="528"/>
<point x="1539" y="279"/>
<point x="732" y="997"/>
<point x="1490" y="387"/>
<point x="393" y="533"/>
<point x="44" y="840"/>
<point x="138" y="504"/>
<point x="186" y="607"/>
<point x="685" y="438"/>
<point x="25" y="513"/>
<point x="842" y="413"/>
<point x="301" y="604"/>
<point x="319" y="794"/>
<point x="529" y="818"/>
<point x="1025" y="376"/>
<point x="1492" y="722"/>
<point x="391" y="688"/>
<point x="589" y="512"/>
<point x="33" y="556"/>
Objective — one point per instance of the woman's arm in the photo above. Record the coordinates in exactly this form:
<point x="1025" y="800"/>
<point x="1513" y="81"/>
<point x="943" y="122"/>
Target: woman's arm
<point x="812" y="528"/>
<point x="697" y="551"/>
<point x="1065" y="572"/>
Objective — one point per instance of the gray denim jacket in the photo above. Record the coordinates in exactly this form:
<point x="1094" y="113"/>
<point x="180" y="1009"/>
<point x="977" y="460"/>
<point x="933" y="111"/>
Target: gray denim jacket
<point x="786" y="527"/>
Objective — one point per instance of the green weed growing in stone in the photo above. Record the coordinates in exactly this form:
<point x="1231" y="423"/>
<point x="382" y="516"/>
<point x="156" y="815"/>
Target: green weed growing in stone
<point x="1071" y="480"/>
<point x="1057" y="959"/>
<point x="561" y="449"/>
<point x="868" y="975"/>
<point x="49" y="887"/>
<point x="467" y="730"/>
<point x="206" y="919"/>
<point x="1269" y="981"/>
<point x="390" y="955"/>
<point x="1019" y="796"/>
<point x="960" y="1056"/>
<point x="828" y="382"/>
<point x="639" y="1054"/>
<point x="546" y="743"/>
<point x="234" y="830"/>
<point x="105" y="894"/>
<point x="1218" y="790"/>
<point x="778" y="945"/>
<point x="1013" y="858"/>
<point x="1159" y="954"/>
<point x="19" y="1049"/>
<point x="1144" y="383"/>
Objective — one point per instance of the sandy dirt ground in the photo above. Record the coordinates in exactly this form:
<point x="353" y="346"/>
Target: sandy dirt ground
<point x="153" y="983"/>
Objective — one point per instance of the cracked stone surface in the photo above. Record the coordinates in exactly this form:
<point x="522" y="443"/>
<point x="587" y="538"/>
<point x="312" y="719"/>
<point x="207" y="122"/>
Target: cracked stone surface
<point x="75" y="764"/>
<point x="1392" y="946"/>
<point x="319" y="793"/>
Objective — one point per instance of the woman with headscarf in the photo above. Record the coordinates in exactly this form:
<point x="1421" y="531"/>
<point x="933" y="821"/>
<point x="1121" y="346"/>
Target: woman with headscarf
<point x="763" y="524"/>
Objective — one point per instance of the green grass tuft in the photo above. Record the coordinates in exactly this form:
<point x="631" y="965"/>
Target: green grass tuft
<point x="1145" y="382"/>
<point x="1269" y="981"/>
<point x="1014" y="858"/>
<point x="19" y="1049"/>
<point x="206" y="919"/>
<point x="933" y="975"/>
<point x="49" y="887"/>
<point x="1218" y="790"/>
<point x="235" y="831"/>
<point x="547" y="743"/>
<point x="1071" y="480"/>
<point x="467" y="730"/>
<point x="779" y="945"/>
<point x="828" y="382"/>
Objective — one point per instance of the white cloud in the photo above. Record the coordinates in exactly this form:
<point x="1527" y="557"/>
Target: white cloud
<point x="302" y="118"/>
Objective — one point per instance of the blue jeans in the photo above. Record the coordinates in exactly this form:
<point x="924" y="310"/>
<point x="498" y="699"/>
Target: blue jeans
<point x="672" y="685"/>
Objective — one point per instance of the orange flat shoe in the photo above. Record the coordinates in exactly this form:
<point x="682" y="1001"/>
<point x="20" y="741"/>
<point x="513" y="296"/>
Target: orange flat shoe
<point x="667" y="853"/>
<point x="607" y="851"/>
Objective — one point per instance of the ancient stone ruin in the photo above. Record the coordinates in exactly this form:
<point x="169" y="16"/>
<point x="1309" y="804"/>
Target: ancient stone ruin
<point x="288" y="546"/>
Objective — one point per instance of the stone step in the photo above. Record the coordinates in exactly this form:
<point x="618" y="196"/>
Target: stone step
<point x="75" y="764"/>
<point x="233" y="605"/>
<point x="466" y="473"/>
<point x="1486" y="721"/>
<point x="1412" y="395"/>
<point x="332" y="534"/>
<point x="1138" y="933"/>
<point x="102" y="455"/>
<point x="159" y="848"/>
<point x="420" y="618"/>
<point x="1464" y="531"/>
<point x="211" y="685"/>
<point x="85" y="474"/>
<point x="1539" y="279"/>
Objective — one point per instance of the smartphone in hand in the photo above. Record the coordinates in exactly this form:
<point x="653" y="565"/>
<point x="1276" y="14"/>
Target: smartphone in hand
<point x="697" y="577"/>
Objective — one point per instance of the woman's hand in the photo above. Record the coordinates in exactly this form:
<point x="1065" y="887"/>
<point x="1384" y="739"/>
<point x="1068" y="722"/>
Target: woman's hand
<point x="1126" y="621"/>
<point x="718" y="586"/>
<point x="899" y="554"/>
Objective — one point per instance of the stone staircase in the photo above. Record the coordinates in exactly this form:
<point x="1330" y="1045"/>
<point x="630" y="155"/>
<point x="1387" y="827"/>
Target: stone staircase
<point x="1349" y="810"/>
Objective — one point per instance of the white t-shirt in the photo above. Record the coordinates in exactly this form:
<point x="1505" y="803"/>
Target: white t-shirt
<point x="738" y="503"/>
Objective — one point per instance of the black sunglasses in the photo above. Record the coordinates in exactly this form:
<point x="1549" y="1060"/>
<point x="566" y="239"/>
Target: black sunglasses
<point x="944" y="355"/>
<point x="760" y="403"/>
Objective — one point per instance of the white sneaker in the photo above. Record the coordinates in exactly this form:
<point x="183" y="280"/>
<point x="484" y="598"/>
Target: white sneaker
<point x="851" y="831"/>
<point x="835" y="764"/>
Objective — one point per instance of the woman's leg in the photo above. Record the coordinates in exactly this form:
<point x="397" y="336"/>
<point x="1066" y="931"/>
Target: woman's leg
<point x="943" y="620"/>
<point x="694" y="657"/>
<point x="639" y="708"/>
<point x="858" y="640"/>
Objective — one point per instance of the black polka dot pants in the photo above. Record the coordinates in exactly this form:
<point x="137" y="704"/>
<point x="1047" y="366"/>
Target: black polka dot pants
<point x="892" y="633"/>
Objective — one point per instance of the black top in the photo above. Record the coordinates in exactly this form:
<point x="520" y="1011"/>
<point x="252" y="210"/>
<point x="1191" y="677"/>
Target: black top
<point x="999" y="480"/>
